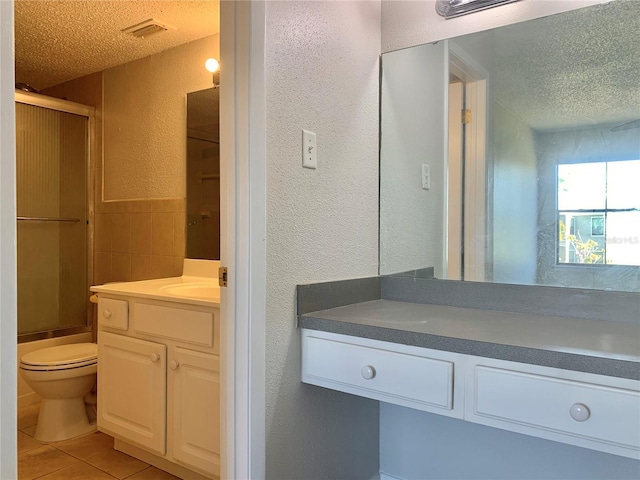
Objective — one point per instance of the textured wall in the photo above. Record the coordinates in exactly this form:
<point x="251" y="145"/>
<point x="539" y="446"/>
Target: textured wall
<point x="145" y="121"/>
<point x="322" y="75"/>
<point x="406" y="23"/>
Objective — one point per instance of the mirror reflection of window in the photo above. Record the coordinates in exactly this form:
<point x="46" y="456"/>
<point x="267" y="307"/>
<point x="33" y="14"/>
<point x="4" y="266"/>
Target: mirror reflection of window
<point x="599" y="213"/>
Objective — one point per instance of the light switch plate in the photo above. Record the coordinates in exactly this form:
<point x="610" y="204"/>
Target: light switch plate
<point x="309" y="150"/>
<point x="426" y="177"/>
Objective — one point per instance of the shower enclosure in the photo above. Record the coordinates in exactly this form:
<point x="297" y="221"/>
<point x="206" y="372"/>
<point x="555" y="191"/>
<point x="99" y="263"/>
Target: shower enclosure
<point x="52" y="172"/>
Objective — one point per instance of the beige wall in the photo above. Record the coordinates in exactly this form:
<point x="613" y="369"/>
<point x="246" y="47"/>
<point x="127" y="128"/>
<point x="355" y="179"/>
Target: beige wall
<point x="143" y="101"/>
<point x="140" y="239"/>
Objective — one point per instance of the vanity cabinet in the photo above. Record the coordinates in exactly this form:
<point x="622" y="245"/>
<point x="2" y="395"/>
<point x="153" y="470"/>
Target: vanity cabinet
<point x="583" y="409"/>
<point x="194" y="379"/>
<point x="131" y="390"/>
<point x="159" y="383"/>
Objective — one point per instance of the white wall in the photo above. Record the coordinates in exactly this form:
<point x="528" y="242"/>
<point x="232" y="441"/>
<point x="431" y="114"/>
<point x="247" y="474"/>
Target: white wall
<point x="420" y="446"/>
<point x="321" y="70"/>
<point x="515" y="199"/>
<point x="144" y="121"/>
<point x="414" y="86"/>
<point x="417" y="445"/>
<point x="8" y="309"/>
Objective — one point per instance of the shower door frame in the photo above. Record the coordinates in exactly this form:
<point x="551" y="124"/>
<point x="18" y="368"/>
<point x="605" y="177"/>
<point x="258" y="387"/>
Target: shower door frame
<point x="65" y="106"/>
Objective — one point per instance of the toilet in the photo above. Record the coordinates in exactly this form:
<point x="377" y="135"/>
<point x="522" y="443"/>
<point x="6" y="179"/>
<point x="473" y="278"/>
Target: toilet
<point x="62" y="376"/>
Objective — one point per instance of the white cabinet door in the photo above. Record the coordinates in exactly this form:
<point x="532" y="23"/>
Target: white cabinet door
<point x="131" y="390"/>
<point x="195" y="413"/>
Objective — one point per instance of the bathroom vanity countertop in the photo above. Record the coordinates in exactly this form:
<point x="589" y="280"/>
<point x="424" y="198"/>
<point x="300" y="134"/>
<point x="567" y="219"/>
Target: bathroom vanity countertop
<point x="600" y="347"/>
<point x="190" y="290"/>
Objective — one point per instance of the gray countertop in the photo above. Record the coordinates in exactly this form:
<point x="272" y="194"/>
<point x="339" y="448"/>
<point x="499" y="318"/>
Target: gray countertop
<point x="601" y="347"/>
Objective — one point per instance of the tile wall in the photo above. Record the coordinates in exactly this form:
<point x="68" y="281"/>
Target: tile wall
<point x="138" y="239"/>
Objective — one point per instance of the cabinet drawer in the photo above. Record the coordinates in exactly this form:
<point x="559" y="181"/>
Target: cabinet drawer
<point x="113" y="313"/>
<point x="584" y="410"/>
<point x="386" y="375"/>
<point x="191" y="326"/>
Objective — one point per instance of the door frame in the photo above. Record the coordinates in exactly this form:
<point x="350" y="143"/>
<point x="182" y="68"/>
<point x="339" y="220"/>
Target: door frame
<point x="243" y="251"/>
<point x="243" y="215"/>
<point x="476" y="86"/>
<point x="8" y="269"/>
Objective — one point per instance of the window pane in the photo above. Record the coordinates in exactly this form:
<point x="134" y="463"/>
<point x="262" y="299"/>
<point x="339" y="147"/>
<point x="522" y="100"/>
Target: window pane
<point x="622" y="188"/>
<point x="581" y="186"/>
<point x="623" y="238"/>
<point x="581" y="237"/>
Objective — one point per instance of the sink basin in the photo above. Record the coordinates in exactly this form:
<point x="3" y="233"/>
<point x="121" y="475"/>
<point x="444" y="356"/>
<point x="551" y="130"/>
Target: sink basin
<point x="193" y="290"/>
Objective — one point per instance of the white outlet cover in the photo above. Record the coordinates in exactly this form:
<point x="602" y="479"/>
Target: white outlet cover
<point x="309" y="159"/>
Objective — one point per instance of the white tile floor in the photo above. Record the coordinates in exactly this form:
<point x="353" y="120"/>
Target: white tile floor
<point x="90" y="457"/>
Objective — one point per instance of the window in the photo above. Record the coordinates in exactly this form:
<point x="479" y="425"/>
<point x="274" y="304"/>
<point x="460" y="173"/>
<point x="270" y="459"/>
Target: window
<point x="599" y="213"/>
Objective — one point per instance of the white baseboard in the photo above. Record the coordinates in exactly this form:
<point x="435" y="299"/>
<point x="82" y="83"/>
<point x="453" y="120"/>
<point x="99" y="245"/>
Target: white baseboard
<point x="386" y="476"/>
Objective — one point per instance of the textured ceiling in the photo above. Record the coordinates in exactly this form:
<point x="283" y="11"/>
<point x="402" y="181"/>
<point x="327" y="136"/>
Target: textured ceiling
<point x="59" y="40"/>
<point x="573" y="69"/>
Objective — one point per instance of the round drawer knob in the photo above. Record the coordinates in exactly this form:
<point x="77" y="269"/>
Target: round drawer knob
<point x="368" y="372"/>
<point x="106" y="313"/>
<point x="579" y="412"/>
<point x="173" y="364"/>
<point x="155" y="357"/>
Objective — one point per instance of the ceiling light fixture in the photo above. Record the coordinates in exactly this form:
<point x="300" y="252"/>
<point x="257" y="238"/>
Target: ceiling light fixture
<point x="146" y="28"/>
<point x="455" y="8"/>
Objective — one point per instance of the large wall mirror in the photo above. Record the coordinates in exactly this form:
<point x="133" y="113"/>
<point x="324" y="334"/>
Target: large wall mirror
<point x="203" y="174"/>
<point x="513" y="155"/>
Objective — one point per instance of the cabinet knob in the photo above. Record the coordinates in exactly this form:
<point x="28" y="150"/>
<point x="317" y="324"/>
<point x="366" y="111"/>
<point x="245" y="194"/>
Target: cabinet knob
<point x="579" y="412"/>
<point x="155" y="357"/>
<point x="106" y="313"/>
<point x="173" y="364"/>
<point x="368" y="372"/>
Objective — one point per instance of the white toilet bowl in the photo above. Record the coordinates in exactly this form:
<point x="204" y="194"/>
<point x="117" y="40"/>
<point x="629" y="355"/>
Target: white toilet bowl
<point x="62" y="376"/>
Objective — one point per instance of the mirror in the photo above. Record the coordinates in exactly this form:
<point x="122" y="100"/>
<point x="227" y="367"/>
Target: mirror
<point x="203" y="174"/>
<point x="513" y="155"/>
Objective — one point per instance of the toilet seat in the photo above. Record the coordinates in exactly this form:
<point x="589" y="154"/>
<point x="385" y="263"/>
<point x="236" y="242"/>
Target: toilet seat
<point x="62" y="357"/>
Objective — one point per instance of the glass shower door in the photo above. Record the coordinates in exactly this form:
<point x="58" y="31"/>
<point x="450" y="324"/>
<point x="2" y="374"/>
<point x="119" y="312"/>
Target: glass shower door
<point x="51" y="183"/>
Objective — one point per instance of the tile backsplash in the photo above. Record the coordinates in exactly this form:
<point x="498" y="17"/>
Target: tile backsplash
<point x="138" y="239"/>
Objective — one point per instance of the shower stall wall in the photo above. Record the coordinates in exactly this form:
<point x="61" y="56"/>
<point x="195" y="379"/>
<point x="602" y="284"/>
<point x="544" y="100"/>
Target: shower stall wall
<point x="52" y="172"/>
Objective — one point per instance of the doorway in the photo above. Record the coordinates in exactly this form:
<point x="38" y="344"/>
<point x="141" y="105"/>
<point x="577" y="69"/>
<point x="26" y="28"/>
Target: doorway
<point x="242" y="244"/>
<point x="467" y="242"/>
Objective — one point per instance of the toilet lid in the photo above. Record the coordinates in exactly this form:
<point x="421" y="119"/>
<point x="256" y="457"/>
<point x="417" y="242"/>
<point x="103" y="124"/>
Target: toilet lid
<point x="63" y="356"/>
